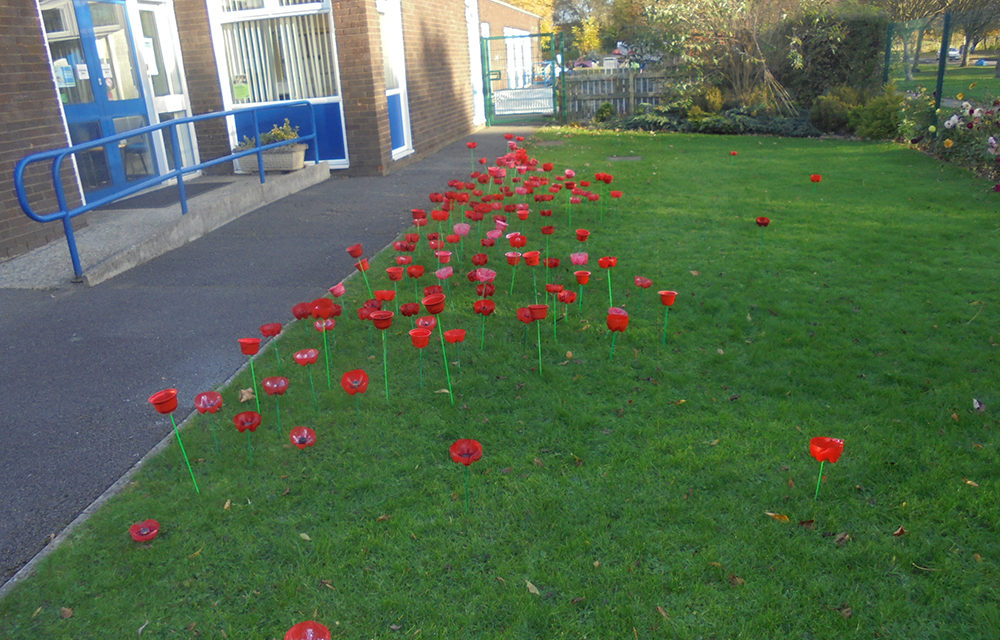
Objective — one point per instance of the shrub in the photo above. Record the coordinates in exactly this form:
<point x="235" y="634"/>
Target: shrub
<point x="970" y="136"/>
<point x="831" y="112"/>
<point x="879" y="119"/>
<point x="710" y="100"/>
<point x="605" y="112"/>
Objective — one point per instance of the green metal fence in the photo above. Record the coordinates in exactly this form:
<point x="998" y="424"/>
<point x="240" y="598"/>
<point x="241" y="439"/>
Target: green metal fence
<point x="524" y="78"/>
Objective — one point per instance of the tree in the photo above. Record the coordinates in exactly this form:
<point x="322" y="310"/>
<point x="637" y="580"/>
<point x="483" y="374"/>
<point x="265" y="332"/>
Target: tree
<point x="976" y="19"/>
<point x="587" y="36"/>
<point x="911" y="16"/>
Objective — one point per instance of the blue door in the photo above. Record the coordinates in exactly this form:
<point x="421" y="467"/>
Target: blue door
<point x="97" y="75"/>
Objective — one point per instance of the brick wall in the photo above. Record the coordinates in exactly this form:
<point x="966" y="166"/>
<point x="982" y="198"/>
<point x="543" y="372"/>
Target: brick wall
<point x="438" y="74"/>
<point x="202" y="79"/>
<point x="32" y="121"/>
<point x="362" y="81"/>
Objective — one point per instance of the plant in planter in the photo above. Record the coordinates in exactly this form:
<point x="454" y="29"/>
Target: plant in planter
<point x="290" y="157"/>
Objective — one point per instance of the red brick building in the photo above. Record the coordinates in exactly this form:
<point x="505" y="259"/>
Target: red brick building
<point x="390" y="81"/>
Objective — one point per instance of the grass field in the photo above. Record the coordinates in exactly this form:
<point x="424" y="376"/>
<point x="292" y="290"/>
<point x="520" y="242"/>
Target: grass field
<point x="975" y="84"/>
<point x="620" y="495"/>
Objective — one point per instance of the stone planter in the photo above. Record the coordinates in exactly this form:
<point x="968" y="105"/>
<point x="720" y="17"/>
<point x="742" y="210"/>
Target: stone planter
<point x="287" y="158"/>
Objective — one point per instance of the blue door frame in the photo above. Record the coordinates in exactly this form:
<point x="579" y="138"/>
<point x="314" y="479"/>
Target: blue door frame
<point x="104" y="172"/>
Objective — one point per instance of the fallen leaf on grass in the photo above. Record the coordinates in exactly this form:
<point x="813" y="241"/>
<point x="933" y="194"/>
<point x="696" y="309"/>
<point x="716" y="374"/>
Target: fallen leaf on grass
<point x="681" y="401"/>
<point x="808" y="524"/>
<point x="662" y="611"/>
<point x="842" y="539"/>
<point x="228" y="504"/>
<point x="791" y="483"/>
<point x="735" y="580"/>
<point x="538" y="462"/>
<point x="577" y="600"/>
<point x="713" y="442"/>
<point x="977" y="557"/>
<point x="65" y="612"/>
<point x="305" y="536"/>
<point x="845" y="611"/>
<point x="37" y="611"/>
<point x="696" y="273"/>
<point x="195" y="554"/>
<point x="780" y="517"/>
<point x="328" y="584"/>
<point x="532" y="588"/>
<point x="286" y="491"/>
<point x="441" y="391"/>
<point x="144" y="625"/>
<point x="970" y="482"/>
<point x="900" y="531"/>
<point x="383" y="517"/>
<point x="246" y="395"/>
<point x="917" y="566"/>
<point x="954" y="417"/>
<point x="395" y="627"/>
<point x="597" y="564"/>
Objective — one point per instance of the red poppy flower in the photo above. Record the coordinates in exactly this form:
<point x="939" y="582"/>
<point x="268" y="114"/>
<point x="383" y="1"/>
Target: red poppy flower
<point x="418" y="214"/>
<point x="436" y="197"/>
<point x="409" y="309"/>
<point x="270" y="329"/>
<point x="208" y="402"/>
<point x="452" y="238"/>
<point x="306" y="357"/>
<point x="553" y="287"/>
<point x="427" y="322"/>
<point x="325" y="324"/>
<point x="433" y="289"/>
<point x="485" y="289"/>
<point x="548" y="230"/>
<point x="484" y="307"/>
<point x="547" y="166"/>
<point x="385" y="295"/>
<point x="355" y="250"/>
<point x="302" y="437"/>
<point x="354" y="381"/>
<point x="275" y="386"/>
<point x="532" y="258"/>
<point x="395" y="273"/>
<point x="567" y="296"/>
<point x="546" y="212"/>
<point x="518" y="240"/>
<point x="513" y="258"/>
<point x="487" y="242"/>
<point x="643" y="283"/>
<point x="338" y="290"/>
<point x="607" y="262"/>
<point x="668" y="297"/>
<point x="465" y="451"/>
<point x="582" y="235"/>
<point x="524" y="315"/>
<point x="144" y="531"/>
<point x="732" y="153"/>
<point x="323" y="307"/>
<point x="444" y="273"/>
<point x="444" y="257"/>
<point x="246" y="420"/>
<point x="454" y="335"/>
<point x="471" y="145"/>
<point x="522" y="214"/>
<point x="439" y="215"/>
<point x="404" y="260"/>
<point x="381" y="319"/>
<point x="552" y="263"/>
<point x="309" y="630"/>
<point x="582" y="277"/>
<point x="506" y="136"/>
<point x="362" y="264"/>
<point x="826" y="449"/>
<point x="816" y="177"/>
<point x="249" y="346"/>
<point x="538" y="311"/>
<point x="617" y="319"/>
<point x="302" y="310"/>
<point x="415" y="270"/>
<point x="434" y="303"/>
<point x="165" y="401"/>
<point x="479" y="259"/>
<point x="616" y="194"/>
<point x="420" y="337"/>
<point x="763" y="221"/>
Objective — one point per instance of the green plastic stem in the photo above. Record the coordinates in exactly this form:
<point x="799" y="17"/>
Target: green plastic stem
<point x="357" y="407"/>
<point x="420" y="360"/>
<point x="482" y="333"/>
<point x="395" y="296"/>
<point x="184" y="453"/>
<point x="534" y="285"/>
<point x="277" y="357"/>
<point x="513" y="274"/>
<point x="444" y="356"/>
<point x="555" y="336"/>
<point x="466" y="489"/>
<point x="581" y="297"/>
<point x="610" y="303"/>
<point x="666" y="316"/>
<point x="820" y="479"/>
<point x="250" y="449"/>
<point x="253" y="376"/>
<point x="277" y="411"/>
<point x="385" y="366"/>
<point x="364" y="274"/>
<point x="326" y="354"/>
<point x="215" y="438"/>
<point x="614" y="336"/>
<point x="313" y="388"/>
<point x="538" y="330"/>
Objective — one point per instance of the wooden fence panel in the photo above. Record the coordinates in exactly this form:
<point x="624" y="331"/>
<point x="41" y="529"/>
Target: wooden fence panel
<point x="625" y="89"/>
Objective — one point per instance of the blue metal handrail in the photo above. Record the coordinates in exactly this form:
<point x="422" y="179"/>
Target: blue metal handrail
<point x="57" y="156"/>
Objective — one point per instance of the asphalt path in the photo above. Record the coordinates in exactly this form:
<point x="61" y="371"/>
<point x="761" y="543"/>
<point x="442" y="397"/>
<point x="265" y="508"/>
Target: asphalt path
<point x="77" y="364"/>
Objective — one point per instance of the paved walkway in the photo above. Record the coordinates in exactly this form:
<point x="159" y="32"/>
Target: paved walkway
<point x="78" y="362"/>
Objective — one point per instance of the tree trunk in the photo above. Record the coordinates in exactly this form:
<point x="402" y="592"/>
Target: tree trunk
<point x="965" y="51"/>
<point x="920" y="45"/>
<point x="996" y="74"/>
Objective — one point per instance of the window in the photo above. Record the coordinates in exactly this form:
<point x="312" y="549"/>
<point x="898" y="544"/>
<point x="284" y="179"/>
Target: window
<point x="278" y="50"/>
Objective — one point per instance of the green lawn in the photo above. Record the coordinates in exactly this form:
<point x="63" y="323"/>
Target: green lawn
<point x="976" y="84"/>
<point x="622" y="496"/>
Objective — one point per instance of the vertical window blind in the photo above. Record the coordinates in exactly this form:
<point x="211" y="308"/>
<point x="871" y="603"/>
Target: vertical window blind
<point x="279" y="58"/>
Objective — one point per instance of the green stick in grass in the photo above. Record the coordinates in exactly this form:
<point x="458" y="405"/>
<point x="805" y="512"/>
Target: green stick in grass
<point x="184" y="453"/>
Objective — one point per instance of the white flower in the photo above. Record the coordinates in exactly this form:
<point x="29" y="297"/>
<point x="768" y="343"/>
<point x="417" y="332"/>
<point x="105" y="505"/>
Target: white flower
<point x="978" y="113"/>
<point x="966" y="106"/>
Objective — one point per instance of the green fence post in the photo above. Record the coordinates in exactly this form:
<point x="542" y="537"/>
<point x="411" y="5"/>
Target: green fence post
<point x="888" y="53"/>
<point x="942" y="59"/>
